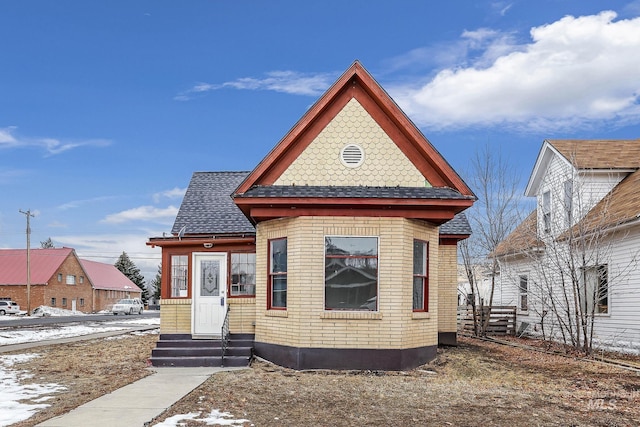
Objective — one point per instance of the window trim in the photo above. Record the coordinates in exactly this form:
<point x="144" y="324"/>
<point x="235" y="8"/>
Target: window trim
<point x="186" y="272"/>
<point x="377" y="257"/>
<point x="546" y="211"/>
<point x="230" y="274"/>
<point x="596" y="303"/>
<point x="523" y="294"/>
<point x="425" y="279"/>
<point x="271" y="275"/>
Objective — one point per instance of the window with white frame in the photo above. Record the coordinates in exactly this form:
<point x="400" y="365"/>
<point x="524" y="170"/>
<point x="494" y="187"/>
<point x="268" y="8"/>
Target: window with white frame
<point x="71" y="279"/>
<point x="523" y="292"/>
<point x="568" y="202"/>
<point x="243" y="274"/>
<point x="179" y="267"/>
<point x="546" y="211"/>
<point x="351" y="273"/>
<point x="595" y="290"/>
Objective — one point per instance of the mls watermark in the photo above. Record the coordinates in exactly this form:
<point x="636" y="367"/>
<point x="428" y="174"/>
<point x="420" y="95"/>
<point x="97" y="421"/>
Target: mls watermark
<point x="611" y="401"/>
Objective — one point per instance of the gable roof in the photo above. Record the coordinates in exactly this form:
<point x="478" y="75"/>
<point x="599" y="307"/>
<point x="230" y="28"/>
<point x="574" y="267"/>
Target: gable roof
<point x="108" y="277"/>
<point x="523" y="238"/>
<point x="585" y="154"/>
<point x="357" y="83"/>
<point x="599" y="153"/>
<point x="207" y="207"/>
<point x="43" y="265"/>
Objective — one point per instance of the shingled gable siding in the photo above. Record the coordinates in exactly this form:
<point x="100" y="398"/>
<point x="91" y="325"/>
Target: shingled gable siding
<point x="306" y="325"/>
<point x="384" y="165"/>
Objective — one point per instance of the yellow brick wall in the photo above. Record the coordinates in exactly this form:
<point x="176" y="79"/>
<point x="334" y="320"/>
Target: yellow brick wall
<point x="175" y="316"/>
<point x="242" y="316"/>
<point x="305" y="323"/>
<point x="384" y="164"/>
<point x="448" y="289"/>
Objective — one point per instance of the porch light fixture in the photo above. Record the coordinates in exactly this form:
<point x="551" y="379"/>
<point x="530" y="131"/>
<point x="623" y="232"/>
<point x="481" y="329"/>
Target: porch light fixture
<point x="208" y="245"/>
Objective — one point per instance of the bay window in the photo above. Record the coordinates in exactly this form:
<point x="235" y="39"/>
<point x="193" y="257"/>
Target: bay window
<point x="351" y="273"/>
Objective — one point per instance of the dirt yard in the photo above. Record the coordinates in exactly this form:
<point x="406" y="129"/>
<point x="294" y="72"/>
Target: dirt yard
<point x="476" y="383"/>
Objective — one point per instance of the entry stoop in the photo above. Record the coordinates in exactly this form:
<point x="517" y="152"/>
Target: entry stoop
<point x="181" y="350"/>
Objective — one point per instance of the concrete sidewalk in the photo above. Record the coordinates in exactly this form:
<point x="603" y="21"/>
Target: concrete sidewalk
<point x="136" y="404"/>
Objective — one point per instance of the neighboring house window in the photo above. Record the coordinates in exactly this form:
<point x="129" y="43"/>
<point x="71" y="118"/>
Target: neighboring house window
<point x="546" y="211"/>
<point x="277" y="292"/>
<point x="523" y="292"/>
<point x="59" y="277"/>
<point x="420" y="275"/>
<point x="81" y="302"/>
<point x="351" y="273"/>
<point x="243" y="274"/>
<point x="568" y="202"/>
<point x="179" y="267"/>
<point x="81" y="279"/>
<point x="53" y="302"/>
<point x="71" y="279"/>
<point x="64" y="302"/>
<point x="595" y="296"/>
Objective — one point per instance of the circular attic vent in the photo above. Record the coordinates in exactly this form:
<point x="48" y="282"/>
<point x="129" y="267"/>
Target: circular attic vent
<point x="352" y="156"/>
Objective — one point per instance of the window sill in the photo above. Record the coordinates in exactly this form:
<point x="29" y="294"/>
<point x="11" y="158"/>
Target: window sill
<point x="351" y="315"/>
<point x="421" y="315"/>
<point x="276" y="313"/>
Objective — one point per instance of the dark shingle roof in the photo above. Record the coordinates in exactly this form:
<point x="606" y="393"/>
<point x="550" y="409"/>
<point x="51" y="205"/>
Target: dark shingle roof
<point x="457" y="226"/>
<point x="207" y="207"/>
<point x="353" y="192"/>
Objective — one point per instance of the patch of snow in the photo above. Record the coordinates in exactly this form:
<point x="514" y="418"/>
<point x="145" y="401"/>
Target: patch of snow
<point x="46" y="311"/>
<point x="12" y="392"/>
<point x="214" y="418"/>
<point x="19" y="336"/>
<point x="142" y="321"/>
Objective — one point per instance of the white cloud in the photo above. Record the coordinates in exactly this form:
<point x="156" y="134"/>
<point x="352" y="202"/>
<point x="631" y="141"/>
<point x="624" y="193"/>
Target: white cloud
<point x="143" y="213"/>
<point x="291" y="82"/>
<point x="9" y="139"/>
<point x="174" y="193"/>
<point x="574" y="72"/>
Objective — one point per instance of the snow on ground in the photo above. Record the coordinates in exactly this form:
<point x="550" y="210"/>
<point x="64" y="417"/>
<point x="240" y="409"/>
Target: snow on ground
<point x="214" y="418"/>
<point x="13" y="391"/>
<point x="40" y="333"/>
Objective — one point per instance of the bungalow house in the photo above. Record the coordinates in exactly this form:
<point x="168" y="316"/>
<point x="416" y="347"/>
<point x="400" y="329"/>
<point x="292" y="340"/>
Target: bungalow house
<point x="337" y="251"/>
<point x="571" y="266"/>
<point x="60" y="279"/>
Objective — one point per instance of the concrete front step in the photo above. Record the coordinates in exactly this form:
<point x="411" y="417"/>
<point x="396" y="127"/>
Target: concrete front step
<point x="193" y="362"/>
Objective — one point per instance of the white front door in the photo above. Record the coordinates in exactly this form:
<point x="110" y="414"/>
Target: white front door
<point x="209" y="290"/>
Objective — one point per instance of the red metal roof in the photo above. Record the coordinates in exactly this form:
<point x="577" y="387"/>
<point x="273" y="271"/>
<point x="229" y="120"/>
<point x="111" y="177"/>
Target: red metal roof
<point x="44" y="264"/>
<point x="107" y="276"/>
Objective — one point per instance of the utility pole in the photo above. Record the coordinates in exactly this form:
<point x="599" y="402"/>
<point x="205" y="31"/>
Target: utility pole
<point x="28" y="214"/>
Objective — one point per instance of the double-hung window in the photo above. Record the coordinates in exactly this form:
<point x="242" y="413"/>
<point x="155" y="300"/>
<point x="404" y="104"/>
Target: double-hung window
<point x="523" y="292"/>
<point x="277" y="284"/>
<point x="179" y="267"/>
<point x="546" y="211"/>
<point x="351" y="273"/>
<point x="595" y="290"/>
<point x="420" y="275"/>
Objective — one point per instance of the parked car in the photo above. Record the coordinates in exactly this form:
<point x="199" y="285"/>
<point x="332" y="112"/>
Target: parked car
<point x="9" y="307"/>
<point x="128" y="306"/>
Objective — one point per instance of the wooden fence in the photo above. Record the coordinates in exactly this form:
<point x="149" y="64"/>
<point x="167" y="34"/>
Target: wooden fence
<point x="502" y="319"/>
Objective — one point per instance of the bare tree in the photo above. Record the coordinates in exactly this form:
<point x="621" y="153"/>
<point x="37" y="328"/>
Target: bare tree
<point x="497" y="211"/>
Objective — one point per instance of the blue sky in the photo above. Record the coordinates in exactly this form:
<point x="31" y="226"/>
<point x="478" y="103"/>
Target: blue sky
<point x="107" y="108"/>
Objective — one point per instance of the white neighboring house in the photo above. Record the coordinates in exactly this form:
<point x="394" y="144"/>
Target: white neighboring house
<point x="576" y="255"/>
